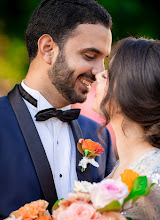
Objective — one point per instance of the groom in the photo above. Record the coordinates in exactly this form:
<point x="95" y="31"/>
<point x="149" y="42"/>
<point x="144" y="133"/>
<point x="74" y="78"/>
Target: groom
<point x="67" y="42"/>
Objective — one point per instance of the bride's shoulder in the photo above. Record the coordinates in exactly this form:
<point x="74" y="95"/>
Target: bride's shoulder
<point x="148" y="163"/>
<point x="154" y="164"/>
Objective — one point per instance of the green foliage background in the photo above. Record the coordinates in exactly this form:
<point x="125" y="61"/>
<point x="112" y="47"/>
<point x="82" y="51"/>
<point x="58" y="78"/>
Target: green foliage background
<point x="130" y="17"/>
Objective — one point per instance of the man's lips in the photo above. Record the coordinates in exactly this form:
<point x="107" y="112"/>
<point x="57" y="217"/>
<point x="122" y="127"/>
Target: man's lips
<point x="86" y="82"/>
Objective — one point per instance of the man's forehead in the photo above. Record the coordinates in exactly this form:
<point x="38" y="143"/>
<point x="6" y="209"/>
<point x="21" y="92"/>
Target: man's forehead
<point x="92" y="37"/>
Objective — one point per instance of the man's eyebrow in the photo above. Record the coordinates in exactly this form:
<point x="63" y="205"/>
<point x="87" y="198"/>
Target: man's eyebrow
<point x="92" y="49"/>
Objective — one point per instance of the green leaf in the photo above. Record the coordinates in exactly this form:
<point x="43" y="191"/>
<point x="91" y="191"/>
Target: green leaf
<point x="128" y="218"/>
<point x="148" y="190"/>
<point x="58" y="201"/>
<point x="113" y="206"/>
<point x="139" y="185"/>
<point x="82" y="169"/>
<point x="138" y="189"/>
<point x="90" y="153"/>
<point x="86" y="152"/>
<point x="56" y="205"/>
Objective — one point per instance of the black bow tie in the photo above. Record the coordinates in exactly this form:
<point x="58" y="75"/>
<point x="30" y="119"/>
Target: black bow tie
<point x="43" y="115"/>
<point x="65" y="116"/>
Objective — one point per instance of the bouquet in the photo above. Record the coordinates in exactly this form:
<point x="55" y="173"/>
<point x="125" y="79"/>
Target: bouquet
<point x="90" y="201"/>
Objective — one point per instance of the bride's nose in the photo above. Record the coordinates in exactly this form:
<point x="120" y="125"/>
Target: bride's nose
<point x="99" y="76"/>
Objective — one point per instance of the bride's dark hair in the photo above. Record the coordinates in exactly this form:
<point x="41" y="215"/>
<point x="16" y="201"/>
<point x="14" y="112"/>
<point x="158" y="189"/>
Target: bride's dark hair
<point x="134" y="84"/>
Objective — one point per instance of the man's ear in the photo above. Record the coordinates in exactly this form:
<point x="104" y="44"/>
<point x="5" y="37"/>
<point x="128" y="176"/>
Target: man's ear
<point x="47" y="48"/>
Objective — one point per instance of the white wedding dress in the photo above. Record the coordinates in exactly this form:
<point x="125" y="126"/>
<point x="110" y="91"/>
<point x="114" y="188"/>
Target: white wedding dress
<point x="146" y="207"/>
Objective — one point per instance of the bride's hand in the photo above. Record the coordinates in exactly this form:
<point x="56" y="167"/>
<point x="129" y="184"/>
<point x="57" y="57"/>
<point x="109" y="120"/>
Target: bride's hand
<point x="112" y="216"/>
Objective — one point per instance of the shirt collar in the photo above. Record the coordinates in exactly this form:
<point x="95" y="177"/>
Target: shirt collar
<point x="42" y="103"/>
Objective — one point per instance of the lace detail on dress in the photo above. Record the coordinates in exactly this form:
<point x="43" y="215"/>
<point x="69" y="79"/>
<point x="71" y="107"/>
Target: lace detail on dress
<point x="155" y="175"/>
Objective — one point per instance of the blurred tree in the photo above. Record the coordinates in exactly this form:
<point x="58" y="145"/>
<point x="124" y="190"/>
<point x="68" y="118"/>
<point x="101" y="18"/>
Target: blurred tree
<point x="14" y="16"/>
<point x="133" y="17"/>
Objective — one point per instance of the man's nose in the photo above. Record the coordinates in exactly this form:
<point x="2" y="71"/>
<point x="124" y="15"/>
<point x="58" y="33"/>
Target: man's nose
<point x="98" y="68"/>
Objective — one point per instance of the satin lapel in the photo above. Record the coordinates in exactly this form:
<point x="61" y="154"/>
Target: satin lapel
<point x="34" y="145"/>
<point x="77" y="133"/>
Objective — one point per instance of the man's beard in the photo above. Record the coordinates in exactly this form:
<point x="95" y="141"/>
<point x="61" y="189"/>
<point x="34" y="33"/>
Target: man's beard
<point x="62" y="77"/>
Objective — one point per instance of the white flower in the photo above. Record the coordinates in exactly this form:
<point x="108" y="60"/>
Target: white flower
<point x="85" y="160"/>
<point x="82" y="186"/>
<point x="80" y="140"/>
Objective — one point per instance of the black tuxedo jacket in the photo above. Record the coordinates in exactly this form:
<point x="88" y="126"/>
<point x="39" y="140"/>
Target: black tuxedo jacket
<point x="25" y="174"/>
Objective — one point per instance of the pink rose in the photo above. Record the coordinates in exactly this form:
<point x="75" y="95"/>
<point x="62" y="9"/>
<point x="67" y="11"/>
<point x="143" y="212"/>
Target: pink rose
<point x="78" y="211"/>
<point x="112" y="216"/>
<point x="107" y="191"/>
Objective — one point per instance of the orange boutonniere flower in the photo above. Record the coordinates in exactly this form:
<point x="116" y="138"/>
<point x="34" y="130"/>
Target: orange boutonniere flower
<point x="89" y="149"/>
<point x="92" y="146"/>
<point x="128" y="177"/>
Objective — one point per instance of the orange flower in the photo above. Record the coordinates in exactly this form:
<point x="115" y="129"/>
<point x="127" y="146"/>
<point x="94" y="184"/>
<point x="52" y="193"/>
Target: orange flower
<point x="46" y="217"/>
<point x="32" y="210"/>
<point x="90" y="145"/>
<point x="128" y="178"/>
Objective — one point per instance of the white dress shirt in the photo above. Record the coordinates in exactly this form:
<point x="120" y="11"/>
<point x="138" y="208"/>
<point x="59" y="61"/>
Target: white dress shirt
<point x="58" y="143"/>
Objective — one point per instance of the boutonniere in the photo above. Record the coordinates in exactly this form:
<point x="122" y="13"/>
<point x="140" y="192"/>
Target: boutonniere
<point x="89" y="149"/>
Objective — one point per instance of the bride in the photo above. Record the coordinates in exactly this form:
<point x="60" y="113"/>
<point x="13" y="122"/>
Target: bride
<point x="128" y="96"/>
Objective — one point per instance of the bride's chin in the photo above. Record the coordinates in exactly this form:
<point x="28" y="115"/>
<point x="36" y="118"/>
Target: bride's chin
<point x="96" y="108"/>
